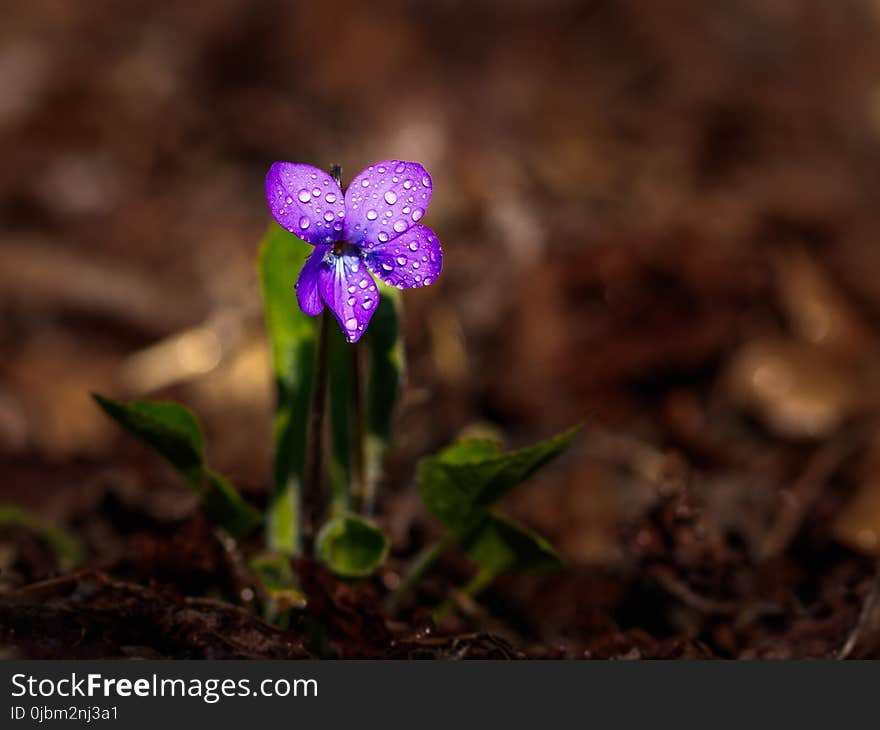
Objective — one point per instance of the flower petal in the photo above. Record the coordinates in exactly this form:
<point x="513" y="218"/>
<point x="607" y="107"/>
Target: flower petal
<point x="412" y="259"/>
<point x="307" y="293"/>
<point x="385" y="200"/>
<point x="350" y="292"/>
<point x="306" y="201"/>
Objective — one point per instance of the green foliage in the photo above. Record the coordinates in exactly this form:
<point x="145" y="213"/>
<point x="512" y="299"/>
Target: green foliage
<point x="66" y="547"/>
<point x="459" y="484"/>
<point x="499" y="545"/>
<point x="351" y="546"/>
<point x="293" y="338"/>
<point x="173" y="432"/>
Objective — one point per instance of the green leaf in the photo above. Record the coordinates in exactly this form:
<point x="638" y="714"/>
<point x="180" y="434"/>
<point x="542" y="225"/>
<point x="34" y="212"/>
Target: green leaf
<point x="173" y="431"/>
<point x="68" y="549"/>
<point x="460" y="483"/>
<point x="499" y="545"/>
<point x="168" y="428"/>
<point x="293" y="339"/>
<point x="351" y="546"/>
<point x="386" y="372"/>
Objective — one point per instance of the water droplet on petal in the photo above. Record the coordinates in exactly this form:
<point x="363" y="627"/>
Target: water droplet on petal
<point x="415" y="264"/>
<point x="351" y="289"/>
<point x="400" y="167"/>
<point x="351" y="323"/>
<point x="414" y="246"/>
<point x="380" y="170"/>
<point x="350" y="301"/>
<point x="337" y="226"/>
<point x="304" y="222"/>
<point x="426" y="181"/>
<point x="372" y="215"/>
<point x="367" y="303"/>
<point x="330" y="198"/>
<point x="399" y="226"/>
<point x="401" y="260"/>
<point x="387" y="267"/>
<point x="390" y="197"/>
<point x="417" y="214"/>
<point x="316" y="192"/>
<point x="362" y="283"/>
<point x="427" y="280"/>
<point x="407" y="184"/>
<point x="383" y="236"/>
<point x="304" y="196"/>
<point x="288" y="200"/>
<point x="328" y="216"/>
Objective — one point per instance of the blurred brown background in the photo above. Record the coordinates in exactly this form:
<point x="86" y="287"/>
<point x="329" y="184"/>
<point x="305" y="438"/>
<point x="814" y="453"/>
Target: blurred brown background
<point x="660" y="215"/>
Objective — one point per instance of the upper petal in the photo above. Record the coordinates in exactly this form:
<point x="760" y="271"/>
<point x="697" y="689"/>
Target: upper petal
<point x="385" y="200"/>
<point x="412" y="259"/>
<point x="307" y="292"/>
<point x="306" y="201"/>
<point x="350" y="292"/>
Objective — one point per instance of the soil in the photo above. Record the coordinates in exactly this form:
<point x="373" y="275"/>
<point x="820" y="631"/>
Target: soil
<point x="659" y="216"/>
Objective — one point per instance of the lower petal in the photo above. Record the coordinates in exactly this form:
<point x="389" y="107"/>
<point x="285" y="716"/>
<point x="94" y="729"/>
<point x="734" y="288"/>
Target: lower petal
<point x="307" y="293"/>
<point x="350" y="292"/>
<point x="413" y="259"/>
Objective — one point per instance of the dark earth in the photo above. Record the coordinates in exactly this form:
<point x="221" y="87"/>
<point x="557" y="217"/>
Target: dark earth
<point x="662" y="217"/>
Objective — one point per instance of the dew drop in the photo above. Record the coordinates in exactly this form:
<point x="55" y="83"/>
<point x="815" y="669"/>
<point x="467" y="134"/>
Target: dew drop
<point x="304" y="222"/>
<point x="380" y="170"/>
<point x="365" y="183"/>
<point x="362" y="283"/>
<point x="316" y="192"/>
<point x="288" y="200"/>
<point x="351" y="324"/>
<point x="407" y="184"/>
<point x="427" y="280"/>
<point x="390" y="197"/>
<point x="330" y="198"/>
<point x="304" y="196"/>
<point x="417" y="214"/>
<point x="383" y="236"/>
<point x="350" y="301"/>
<point x="406" y="210"/>
<point x="414" y="246"/>
<point x="401" y="260"/>
<point x="372" y="215"/>
<point x="418" y="278"/>
<point x="328" y="216"/>
<point x="366" y="303"/>
<point x="426" y="181"/>
<point x="337" y="226"/>
<point x="415" y="264"/>
<point x="400" y="167"/>
<point x="388" y="214"/>
<point x="399" y="226"/>
<point x="387" y="267"/>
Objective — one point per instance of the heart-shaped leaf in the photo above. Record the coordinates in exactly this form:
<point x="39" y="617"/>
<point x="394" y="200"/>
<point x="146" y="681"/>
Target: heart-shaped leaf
<point x="459" y="484"/>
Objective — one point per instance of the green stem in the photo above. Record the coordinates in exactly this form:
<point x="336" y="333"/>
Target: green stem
<point x="313" y="487"/>
<point x="474" y="586"/>
<point x="358" y="482"/>
<point x="420" y="566"/>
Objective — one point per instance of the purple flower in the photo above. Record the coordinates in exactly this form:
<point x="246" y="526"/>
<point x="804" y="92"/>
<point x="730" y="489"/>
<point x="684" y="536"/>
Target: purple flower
<point x="372" y="228"/>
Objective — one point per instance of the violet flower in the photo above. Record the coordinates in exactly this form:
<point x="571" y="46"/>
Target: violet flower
<point x="372" y="228"/>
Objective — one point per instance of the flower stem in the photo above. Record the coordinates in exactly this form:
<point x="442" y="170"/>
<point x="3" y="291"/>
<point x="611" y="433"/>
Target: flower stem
<point x="313" y="487"/>
<point x="420" y="566"/>
<point x="358" y="481"/>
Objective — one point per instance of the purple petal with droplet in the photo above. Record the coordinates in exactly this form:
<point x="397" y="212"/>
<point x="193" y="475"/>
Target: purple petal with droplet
<point x="306" y="201"/>
<point x="385" y="200"/>
<point x="307" y="292"/>
<point x="412" y="259"/>
<point x="350" y="292"/>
